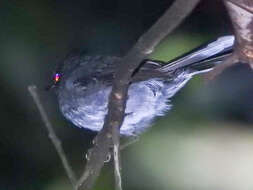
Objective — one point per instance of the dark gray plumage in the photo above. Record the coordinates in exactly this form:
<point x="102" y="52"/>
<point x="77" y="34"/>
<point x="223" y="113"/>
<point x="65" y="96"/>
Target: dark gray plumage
<point x="85" y="84"/>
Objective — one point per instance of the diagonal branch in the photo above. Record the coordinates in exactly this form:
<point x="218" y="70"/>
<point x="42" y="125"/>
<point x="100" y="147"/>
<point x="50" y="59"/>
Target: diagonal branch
<point x="55" y="140"/>
<point x="116" y="107"/>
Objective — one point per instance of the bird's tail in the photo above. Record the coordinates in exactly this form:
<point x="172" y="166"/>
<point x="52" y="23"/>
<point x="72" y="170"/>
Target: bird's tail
<point x="204" y="58"/>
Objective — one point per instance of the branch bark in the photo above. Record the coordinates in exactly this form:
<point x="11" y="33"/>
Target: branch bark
<point x="109" y="135"/>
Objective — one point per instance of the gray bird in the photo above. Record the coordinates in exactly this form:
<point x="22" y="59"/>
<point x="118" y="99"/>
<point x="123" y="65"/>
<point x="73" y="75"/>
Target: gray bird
<point x="83" y="84"/>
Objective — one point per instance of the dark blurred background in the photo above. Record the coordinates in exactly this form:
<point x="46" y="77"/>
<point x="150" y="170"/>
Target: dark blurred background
<point x="204" y="143"/>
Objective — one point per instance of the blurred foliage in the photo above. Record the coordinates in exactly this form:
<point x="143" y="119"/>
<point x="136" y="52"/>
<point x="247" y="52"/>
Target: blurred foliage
<point x="35" y="35"/>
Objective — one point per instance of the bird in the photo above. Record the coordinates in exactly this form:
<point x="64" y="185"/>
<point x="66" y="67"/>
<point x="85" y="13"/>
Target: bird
<point x="83" y="83"/>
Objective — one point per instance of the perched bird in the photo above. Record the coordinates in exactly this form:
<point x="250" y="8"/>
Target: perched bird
<point x="83" y="84"/>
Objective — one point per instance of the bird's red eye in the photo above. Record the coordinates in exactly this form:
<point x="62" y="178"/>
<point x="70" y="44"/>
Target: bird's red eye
<point x="57" y="77"/>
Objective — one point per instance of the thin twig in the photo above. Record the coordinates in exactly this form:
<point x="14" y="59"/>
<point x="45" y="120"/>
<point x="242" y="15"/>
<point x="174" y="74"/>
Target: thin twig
<point x="131" y="140"/>
<point x="117" y="167"/>
<point x="117" y="102"/>
<point x="55" y="140"/>
<point x="116" y="158"/>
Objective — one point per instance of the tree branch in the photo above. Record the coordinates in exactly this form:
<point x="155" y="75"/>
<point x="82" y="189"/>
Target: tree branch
<point x="241" y="16"/>
<point x="117" y="101"/>
<point x="51" y="134"/>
